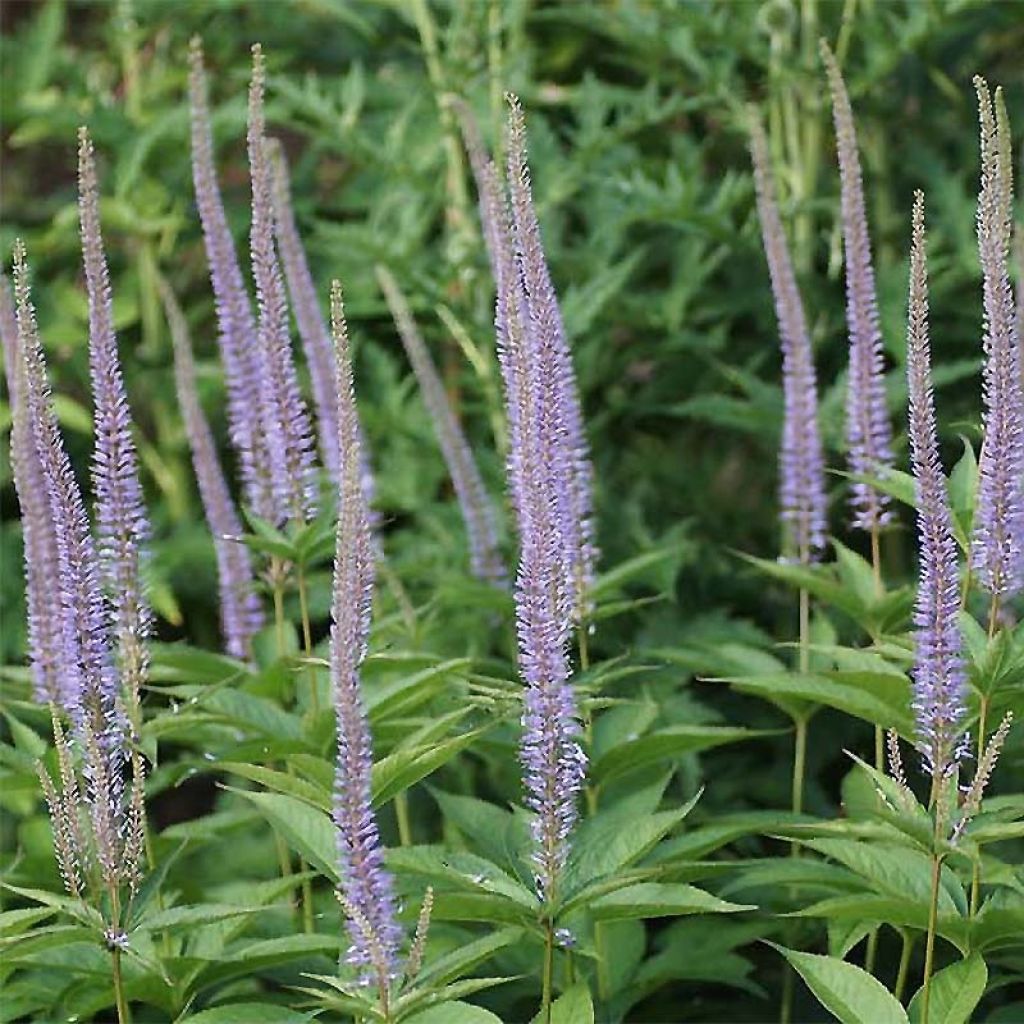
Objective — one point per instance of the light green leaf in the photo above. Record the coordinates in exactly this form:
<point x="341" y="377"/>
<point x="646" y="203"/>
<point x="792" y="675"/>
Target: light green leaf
<point x="454" y="1013"/>
<point x="955" y="992"/>
<point x="308" y="831"/>
<point x="651" y="899"/>
<point x="251" y="1013"/>
<point x="665" y="744"/>
<point x="572" y="1007"/>
<point x="849" y="993"/>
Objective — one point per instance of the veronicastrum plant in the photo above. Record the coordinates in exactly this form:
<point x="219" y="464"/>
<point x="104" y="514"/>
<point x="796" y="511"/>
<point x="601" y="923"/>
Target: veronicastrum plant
<point x="393" y="817"/>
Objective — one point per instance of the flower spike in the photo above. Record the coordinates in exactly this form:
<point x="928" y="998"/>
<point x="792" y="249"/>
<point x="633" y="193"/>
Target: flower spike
<point x="474" y="501"/>
<point x="367" y="889"/>
<point x="241" y="615"/>
<point x="121" y="523"/>
<point x="801" y="458"/>
<point x="939" y="675"/>
<point x="236" y="324"/>
<point x="868" y="430"/>
<point x="285" y="417"/>
<point x="997" y="553"/>
<point x="39" y="539"/>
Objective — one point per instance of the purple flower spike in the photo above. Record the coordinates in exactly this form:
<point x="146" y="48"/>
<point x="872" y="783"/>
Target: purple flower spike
<point x="316" y="339"/>
<point x="939" y="676"/>
<point x="237" y="336"/>
<point x="477" y="511"/>
<point x="89" y="682"/>
<point x="285" y="418"/>
<point x="997" y="553"/>
<point x="367" y="889"/>
<point x="868" y="430"/>
<point x="545" y="340"/>
<point x="121" y="523"/>
<point x="801" y="458"/>
<point x="40" y="542"/>
<point x="241" y="616"/>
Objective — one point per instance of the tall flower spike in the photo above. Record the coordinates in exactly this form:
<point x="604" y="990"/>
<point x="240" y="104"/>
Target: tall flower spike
<point x="477" y="510"/>
<point x="544" y="335"/>
<point x="85" y="663"/>
<point x="241" y="616"/>
<point x="868" y="430"/>
<point x="39" y="540"/>
<point x="286" y="420"/>
<point x="121" y="523"/>
<point x="801" y="458"/>
<point x="554" y="764"/>
<point x="366" y="886"/>
<point x="91" y="691"/>
<point x="235" y="322"/>
<point x="316" y="339"/>
<point x="939" y="676"/>
<point x="997" y="552"/>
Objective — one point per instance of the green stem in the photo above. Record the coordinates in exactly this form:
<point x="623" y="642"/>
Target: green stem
<point x="307" y="642"/>
<point x="549" y="970"/>
<point x="123" y="1014"/>
<point x="799" y="764"/>
<point x="402" y="816"/>
<point x="929" y="951"/>
<point x="901" y="974"/>
<point x="872" y="951"/>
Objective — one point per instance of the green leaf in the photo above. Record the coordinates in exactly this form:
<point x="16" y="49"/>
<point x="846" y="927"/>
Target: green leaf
<point x="572" y="1007"/>
<point x="251" y="1013"/>
<point x="665" y="744"/>
<point x="881" y="698"/>
<point x="453" y="1013"/>
<point x="650" y="900"/>
<point x="279" y="782"/>
<point x="955" y="992"/>
<point x="851" y="994"/>
<point x="192" y="916"/>
<point x="403" y="768"/>
<point x="308" y="831"/>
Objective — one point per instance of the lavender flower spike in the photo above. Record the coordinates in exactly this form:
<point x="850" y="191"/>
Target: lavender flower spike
<point x="86" y="666"/>
<point x="554" y="765"/>
<point x="236" y="325"/>
<point x="997" y="553"/>
<point x="544" y="335"/>
<point x="366" y="886"/>
<point x="241" y="616"/>
<point x="121" y="523"/>
<point x="316" y="339"/>
<point x="39" y="540"/>
<point x="868" y="430"/>
<point x="939" y="676"/>
<point x="289" y="433"/>
<point x="477" y="510"/>
<point x="85" y="662"/>
<point x="801" y="458"/>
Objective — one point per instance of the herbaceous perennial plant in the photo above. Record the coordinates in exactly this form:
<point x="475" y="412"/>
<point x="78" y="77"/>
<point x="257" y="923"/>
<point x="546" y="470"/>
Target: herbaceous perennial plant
<point x="555" y="891"/>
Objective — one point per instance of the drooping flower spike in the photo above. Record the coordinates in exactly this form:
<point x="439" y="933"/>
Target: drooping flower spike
<point x="997" y="553"/>
<point x="122" y="527"/>
<point x="868" y="429"/>
<point x="367" y="889"/>
<point x="284" y="415"/>
<point x="801" y="457"/>
<point x="474" y="501"/>
<point x="939" y="675"/>
<point x="241" y="615"/>
<point x="39" y="540"/>
<point x="235" y="321"/>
